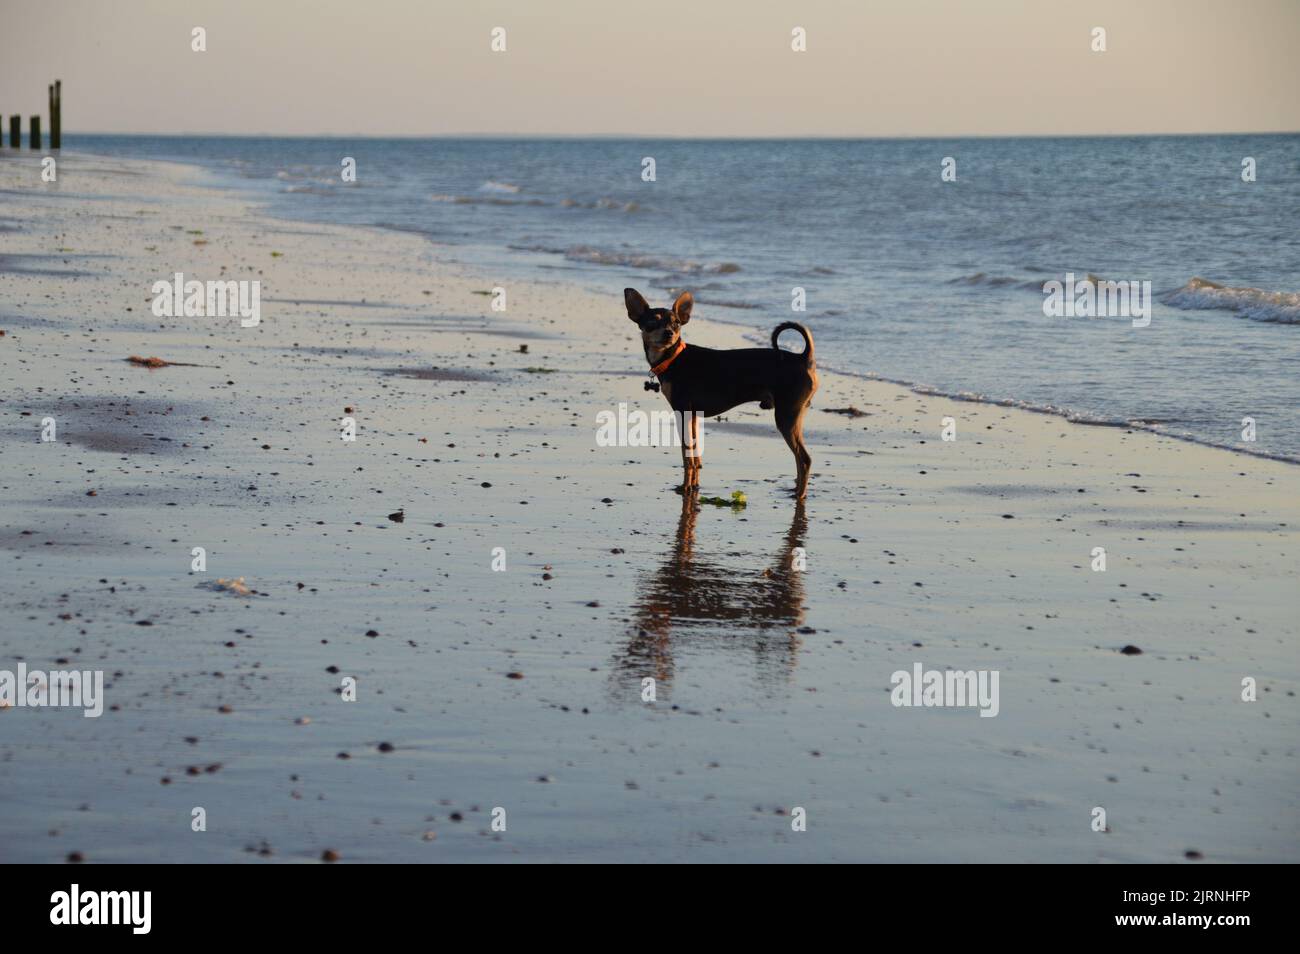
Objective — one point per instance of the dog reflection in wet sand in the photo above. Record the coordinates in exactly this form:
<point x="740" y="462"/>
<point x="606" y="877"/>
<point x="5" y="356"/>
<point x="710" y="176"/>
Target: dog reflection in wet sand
<point x="686" y="601"/>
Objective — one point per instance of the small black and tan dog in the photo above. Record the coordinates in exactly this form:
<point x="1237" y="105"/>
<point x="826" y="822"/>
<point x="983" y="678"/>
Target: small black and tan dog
<point x="707" y="382"/>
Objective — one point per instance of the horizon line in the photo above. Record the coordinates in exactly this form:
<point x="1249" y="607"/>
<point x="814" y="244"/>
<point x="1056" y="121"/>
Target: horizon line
<point x="678" y="137"/>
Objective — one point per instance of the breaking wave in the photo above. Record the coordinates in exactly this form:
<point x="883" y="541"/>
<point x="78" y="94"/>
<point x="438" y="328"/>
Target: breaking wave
<point x="1198" y="294"/>
<point x="596" y="256"/>
<point x="1253" y="303"/>
<point x="984" y="280"/>
<point x="491" y="199"/>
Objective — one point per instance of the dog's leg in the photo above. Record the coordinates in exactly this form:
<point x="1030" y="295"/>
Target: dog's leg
<point x="697" y="452"/>
<point x="790" y="423"/>
<point x="805" y="458"/>
<point x="689" y="434"/>
<point x="686" y="467"/>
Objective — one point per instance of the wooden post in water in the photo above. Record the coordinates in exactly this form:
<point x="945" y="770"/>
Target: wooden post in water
<point x="34" y="137"/>
<point x="15" y="131"/>
<point x="56" y="114"/>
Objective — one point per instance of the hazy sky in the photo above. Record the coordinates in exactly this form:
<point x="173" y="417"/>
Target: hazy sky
<point x="657" y="67"/>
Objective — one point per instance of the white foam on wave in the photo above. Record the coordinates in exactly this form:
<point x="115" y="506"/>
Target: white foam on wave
<point x="1253" y="303"/>
<point x="482" y="200"/>
<point x="1197" y="294"/>
<point x="503" y="193"/>
<point x="984" y="280"/>
<point x="597" y="256"/>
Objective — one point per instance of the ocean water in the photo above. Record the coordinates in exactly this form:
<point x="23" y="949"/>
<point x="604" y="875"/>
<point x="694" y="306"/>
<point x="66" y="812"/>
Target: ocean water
<point x="934" y="284"/>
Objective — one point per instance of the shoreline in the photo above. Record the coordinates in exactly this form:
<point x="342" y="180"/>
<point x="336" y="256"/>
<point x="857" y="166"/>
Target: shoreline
<point x="773" y="685"/>
<point x="589" y="283"/>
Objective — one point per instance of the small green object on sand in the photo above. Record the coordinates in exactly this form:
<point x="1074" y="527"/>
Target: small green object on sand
<point x="736" y="502"/>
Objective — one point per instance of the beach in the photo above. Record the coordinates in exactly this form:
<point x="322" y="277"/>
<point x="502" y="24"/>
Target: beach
<point x="500" y="713"/>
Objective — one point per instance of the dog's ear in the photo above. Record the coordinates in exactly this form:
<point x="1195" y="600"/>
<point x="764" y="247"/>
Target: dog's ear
<point x="637" y="308"/>
<point x="682" y="307"/>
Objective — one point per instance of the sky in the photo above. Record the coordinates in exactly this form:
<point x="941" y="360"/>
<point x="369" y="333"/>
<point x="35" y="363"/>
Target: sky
<point x="656" y="67"/>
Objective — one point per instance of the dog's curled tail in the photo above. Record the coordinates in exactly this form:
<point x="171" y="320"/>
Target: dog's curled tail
<point x="807" y="337"/>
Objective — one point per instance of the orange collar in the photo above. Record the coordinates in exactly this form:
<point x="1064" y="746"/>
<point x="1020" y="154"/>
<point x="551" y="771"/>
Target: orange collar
<point x="662" y="366"/>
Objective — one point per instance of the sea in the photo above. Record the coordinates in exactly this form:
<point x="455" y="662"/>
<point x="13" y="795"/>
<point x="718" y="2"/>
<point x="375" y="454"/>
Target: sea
<point x="918" y="261"/>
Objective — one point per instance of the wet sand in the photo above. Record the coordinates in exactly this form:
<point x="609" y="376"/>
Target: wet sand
<point x="773" y="685"/>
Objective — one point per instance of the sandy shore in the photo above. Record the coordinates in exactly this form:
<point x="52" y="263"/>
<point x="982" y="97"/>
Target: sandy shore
<point x="773" y="685"/>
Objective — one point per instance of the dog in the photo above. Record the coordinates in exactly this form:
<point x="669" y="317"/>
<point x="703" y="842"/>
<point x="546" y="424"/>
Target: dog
<point x="709" y="382"/>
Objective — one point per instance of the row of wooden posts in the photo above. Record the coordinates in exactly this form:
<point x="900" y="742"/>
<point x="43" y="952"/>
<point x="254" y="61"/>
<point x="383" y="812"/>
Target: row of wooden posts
<point x="34" y="135"/>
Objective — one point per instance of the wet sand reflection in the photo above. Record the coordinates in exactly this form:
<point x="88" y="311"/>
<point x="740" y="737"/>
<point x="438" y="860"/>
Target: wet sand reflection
<point x="715" y="601"/>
